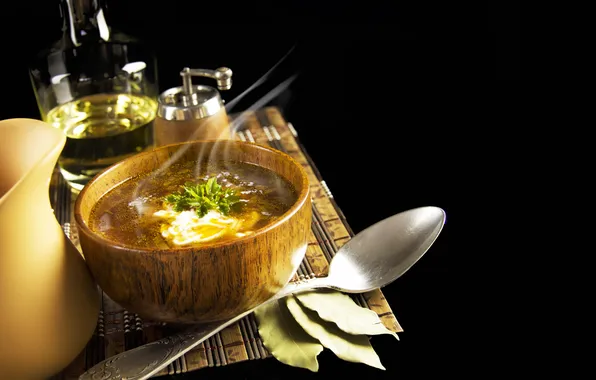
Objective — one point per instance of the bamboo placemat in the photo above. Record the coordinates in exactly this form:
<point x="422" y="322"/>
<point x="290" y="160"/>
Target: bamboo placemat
<point x="118" y="330"/>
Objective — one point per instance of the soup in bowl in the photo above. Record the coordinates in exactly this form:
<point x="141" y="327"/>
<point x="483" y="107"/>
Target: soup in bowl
<point x="195" y="232"/>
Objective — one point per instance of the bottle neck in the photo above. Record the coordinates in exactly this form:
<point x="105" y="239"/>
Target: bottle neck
<point x="84" y="20"/>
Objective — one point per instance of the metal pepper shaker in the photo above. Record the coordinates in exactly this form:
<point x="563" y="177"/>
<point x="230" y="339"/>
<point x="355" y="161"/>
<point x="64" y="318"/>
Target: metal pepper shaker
<point x="193" y="112"/>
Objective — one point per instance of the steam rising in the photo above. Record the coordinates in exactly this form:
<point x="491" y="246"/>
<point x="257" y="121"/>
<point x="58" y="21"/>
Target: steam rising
<point x="234" y="126"/>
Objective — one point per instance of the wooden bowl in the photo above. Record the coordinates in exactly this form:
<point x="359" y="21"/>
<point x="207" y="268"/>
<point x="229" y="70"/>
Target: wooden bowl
<point x="209" y="283"/>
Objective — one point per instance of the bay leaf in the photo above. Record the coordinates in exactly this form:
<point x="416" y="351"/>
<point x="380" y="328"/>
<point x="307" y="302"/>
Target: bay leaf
<point x="339" y="308"/>
<point x="284" y="337"/>
<point x="349" y="347"/>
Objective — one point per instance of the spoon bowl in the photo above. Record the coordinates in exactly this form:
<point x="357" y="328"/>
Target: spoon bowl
<point x="373" y="258"/>
<point x="381" y="253"/>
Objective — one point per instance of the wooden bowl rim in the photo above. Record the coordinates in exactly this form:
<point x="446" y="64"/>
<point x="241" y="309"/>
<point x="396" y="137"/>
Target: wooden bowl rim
<point x="298" y="204"/>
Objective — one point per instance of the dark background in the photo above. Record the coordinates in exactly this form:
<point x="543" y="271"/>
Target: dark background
<point x="385" y="98"/>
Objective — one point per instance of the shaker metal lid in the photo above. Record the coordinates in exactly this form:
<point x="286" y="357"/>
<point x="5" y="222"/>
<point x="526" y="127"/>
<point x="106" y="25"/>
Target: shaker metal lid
<point x="174" y="104"/>
<point x="190" y="102"/>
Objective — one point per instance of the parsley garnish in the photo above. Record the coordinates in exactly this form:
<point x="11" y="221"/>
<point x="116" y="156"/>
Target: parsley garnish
<point x="203" y="197"/>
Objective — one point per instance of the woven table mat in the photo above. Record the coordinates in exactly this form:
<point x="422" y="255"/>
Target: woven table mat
<point x="118" y="330"/>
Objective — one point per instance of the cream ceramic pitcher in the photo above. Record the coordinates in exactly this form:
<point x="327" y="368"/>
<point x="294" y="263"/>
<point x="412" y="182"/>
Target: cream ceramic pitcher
<point x="49" y="303"/>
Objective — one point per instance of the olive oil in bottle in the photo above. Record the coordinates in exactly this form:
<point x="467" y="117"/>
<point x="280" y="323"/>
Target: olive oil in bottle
<point x="101" y="130"/>
<point x="99" y="86"/>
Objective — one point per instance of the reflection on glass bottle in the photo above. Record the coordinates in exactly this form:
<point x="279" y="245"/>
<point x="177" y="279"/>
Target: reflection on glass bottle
<point x="100" y="87"/>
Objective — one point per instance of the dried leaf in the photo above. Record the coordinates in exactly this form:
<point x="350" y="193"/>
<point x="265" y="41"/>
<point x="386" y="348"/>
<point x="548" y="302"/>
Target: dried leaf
<point x="284" y="337"/>
<point x="339" y="308"/>
<point x="349" y="347"/>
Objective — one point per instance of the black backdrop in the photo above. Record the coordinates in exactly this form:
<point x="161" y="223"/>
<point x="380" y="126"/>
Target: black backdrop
<point x="381" y="101"/>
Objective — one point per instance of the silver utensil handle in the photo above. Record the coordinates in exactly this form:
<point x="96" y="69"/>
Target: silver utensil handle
<point x="145" y="361"/>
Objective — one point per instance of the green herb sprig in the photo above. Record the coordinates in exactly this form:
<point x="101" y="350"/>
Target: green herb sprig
<point x="203" y="197"/>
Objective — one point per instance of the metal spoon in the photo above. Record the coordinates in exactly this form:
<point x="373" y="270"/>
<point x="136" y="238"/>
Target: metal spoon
<point x="373" y="258"/>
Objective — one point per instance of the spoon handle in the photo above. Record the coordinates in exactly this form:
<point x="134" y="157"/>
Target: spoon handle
<point x="145" y="361"/>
